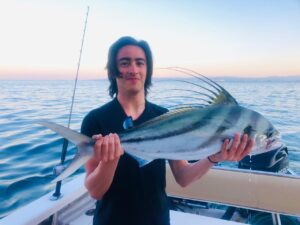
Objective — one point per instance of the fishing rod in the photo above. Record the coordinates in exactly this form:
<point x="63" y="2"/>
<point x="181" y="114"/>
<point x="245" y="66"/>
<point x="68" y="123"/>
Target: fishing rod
<point x="60" y="167"/>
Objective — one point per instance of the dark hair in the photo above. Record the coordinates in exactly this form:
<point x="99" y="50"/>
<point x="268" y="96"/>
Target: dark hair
<point x="112" y="68"/>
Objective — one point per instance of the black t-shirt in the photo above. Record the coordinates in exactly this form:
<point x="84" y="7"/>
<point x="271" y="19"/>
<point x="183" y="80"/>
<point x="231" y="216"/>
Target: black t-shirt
<point x="137" y="195"/>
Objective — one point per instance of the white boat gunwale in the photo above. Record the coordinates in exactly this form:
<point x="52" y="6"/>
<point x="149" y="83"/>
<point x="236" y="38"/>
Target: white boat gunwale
<point x="201" y="190"/>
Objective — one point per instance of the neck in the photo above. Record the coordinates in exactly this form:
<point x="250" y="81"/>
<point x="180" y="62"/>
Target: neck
<point x="133" y="105"/>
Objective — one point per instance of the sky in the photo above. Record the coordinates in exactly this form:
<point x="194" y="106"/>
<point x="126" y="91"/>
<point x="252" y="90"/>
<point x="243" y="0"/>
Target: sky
<point x="42" y="39"/>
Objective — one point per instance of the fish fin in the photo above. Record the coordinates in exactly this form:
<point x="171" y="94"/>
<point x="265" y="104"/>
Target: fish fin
<point x="71" y="135"/>
<point x="80" y="140"/>
<point x="76" y="163"/>
<point x="215" y="95"/>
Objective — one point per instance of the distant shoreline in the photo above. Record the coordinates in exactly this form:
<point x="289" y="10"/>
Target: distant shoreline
<point x="295" y="78"/>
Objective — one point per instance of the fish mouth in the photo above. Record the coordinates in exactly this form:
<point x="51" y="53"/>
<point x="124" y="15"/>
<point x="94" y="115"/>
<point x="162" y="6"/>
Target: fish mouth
<point x="273" y="143"/>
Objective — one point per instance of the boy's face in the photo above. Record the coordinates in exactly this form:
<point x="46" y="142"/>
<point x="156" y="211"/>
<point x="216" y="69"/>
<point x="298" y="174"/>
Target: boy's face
<point x="132" y="65"/>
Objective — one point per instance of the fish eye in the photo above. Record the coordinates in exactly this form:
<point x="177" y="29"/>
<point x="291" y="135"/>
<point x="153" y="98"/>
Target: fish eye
<point x="270" y="132"/>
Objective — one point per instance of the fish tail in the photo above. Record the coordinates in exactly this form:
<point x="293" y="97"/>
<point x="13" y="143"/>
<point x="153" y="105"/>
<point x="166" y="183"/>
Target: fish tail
<point x="81" y="141"/>
<point x="76" y="163"/>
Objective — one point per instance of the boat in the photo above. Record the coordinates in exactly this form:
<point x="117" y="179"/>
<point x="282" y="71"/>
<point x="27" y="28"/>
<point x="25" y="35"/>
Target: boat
<point x="276" y="194"/>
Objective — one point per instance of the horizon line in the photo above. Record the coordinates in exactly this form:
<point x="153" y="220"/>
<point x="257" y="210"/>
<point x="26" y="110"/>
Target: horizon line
<point x="254" y="77"/>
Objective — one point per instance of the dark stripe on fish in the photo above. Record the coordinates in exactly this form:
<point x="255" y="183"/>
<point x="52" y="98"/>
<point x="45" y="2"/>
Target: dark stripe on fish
<point x="224" y="126"/>
<point x="249" y="130"/>
<point x="205" y="120"/>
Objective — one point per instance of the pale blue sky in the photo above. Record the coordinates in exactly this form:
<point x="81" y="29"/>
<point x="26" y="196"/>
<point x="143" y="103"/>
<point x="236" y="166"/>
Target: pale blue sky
<point x="41" y="39"/>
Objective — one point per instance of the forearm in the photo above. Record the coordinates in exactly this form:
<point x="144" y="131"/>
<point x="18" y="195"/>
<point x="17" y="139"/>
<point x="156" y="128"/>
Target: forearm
<point x="100" y="168"/>
<point x="185" y="173"/>
<point x="99" y="180"/>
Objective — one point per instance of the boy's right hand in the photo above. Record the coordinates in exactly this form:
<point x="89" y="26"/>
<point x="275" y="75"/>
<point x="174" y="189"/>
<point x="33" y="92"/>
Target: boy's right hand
<point x="107" y="148"/>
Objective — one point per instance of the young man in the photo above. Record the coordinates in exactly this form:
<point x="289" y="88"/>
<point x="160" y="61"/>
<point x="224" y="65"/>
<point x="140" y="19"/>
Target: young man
<point x="129" y="194"/>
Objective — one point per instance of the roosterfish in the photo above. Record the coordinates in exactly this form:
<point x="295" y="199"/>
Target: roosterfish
<point x="184" y="133"/>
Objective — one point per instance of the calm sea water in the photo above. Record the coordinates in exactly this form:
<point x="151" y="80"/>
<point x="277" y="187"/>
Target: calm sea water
<point x="28" y="152"/>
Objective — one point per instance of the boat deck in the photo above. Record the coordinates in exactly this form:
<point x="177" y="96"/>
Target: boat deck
<point x="176" y="218"/>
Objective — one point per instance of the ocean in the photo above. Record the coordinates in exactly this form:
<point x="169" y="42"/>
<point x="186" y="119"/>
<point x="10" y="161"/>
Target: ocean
<point x="28" y="151"/>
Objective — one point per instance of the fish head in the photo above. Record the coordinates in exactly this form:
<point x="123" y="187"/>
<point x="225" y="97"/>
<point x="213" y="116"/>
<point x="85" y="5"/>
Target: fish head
<point x="261" y="130"/>
<point x="273" y="139"/>
<point x="266" y="141"/>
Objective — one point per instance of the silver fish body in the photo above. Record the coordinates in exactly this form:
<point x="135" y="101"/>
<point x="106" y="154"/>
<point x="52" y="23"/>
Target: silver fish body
<point x="195" y="133"/>
<point x="189" y="133"/>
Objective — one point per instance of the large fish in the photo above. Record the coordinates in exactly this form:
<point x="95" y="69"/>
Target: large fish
<point x="189" y="133"/>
